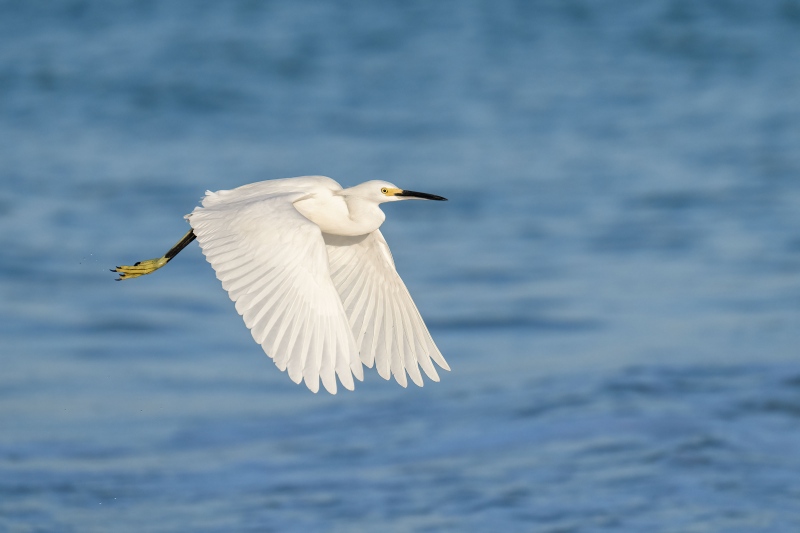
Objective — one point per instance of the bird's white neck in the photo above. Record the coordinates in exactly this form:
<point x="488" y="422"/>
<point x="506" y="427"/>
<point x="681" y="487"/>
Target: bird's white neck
<point x="367" y="216"/>
<point x="341" y="214"/>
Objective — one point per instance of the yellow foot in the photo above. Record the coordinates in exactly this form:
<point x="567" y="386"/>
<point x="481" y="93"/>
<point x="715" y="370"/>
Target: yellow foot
<point x="140" y="269"/>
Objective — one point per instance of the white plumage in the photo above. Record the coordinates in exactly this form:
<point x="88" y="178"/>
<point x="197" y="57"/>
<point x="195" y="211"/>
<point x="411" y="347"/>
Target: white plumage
<point x="314" y="280"/>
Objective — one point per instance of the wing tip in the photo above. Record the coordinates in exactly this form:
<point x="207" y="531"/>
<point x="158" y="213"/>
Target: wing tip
<point x="401" y="380"/>
<point x="346" y="379"/>
<point x="313" y="385"/>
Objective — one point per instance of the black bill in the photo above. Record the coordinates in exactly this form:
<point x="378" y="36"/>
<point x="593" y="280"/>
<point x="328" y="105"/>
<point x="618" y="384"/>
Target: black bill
<point x="421" y="195"/>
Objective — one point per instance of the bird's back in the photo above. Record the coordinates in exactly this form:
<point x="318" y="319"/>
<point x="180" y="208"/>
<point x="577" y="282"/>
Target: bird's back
<point x="261" y="189"/>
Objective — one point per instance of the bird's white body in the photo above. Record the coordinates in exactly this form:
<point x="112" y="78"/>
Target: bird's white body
<point x="314" y="280"/>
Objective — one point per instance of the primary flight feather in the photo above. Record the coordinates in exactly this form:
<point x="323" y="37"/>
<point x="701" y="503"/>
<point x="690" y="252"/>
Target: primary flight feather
<point x="313" y="278"/>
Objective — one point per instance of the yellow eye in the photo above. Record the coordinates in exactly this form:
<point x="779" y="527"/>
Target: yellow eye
<point x="384" y="190"/>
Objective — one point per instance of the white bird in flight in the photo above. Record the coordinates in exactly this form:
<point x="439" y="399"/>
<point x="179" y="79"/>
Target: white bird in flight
<point x="312" y="276"/>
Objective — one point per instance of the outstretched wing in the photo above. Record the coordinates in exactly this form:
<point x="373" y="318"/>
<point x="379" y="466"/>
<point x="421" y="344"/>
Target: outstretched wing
<point x="388" y="328"/>
<point x="273" y="263"/>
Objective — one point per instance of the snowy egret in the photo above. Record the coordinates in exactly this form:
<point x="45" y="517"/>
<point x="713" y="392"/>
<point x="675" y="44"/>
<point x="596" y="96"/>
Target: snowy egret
<point x="312" y="276"/>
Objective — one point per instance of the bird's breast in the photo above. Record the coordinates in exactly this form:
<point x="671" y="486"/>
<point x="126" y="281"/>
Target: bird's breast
<point x="336" y="216"/>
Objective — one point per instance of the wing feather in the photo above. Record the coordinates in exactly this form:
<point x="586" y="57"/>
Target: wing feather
<point x="385" y="322"/>
<point x="274" y="265"/>
<point x="357" y="302"/>
<point x="376" y="328"/>
<point x="405" y="340"/>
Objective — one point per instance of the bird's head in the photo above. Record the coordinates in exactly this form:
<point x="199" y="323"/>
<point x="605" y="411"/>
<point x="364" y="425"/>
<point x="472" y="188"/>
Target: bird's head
<point x="382" y="191"/>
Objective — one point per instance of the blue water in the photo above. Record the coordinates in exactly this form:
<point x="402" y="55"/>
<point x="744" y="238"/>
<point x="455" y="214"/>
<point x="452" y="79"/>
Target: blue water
<point x="615" y="281"/>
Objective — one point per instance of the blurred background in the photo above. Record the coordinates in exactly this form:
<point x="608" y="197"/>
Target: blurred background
<point x="615" y="280"/>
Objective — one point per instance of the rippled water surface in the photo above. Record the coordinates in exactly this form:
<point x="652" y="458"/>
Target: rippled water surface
<point x="615" y="280"/>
